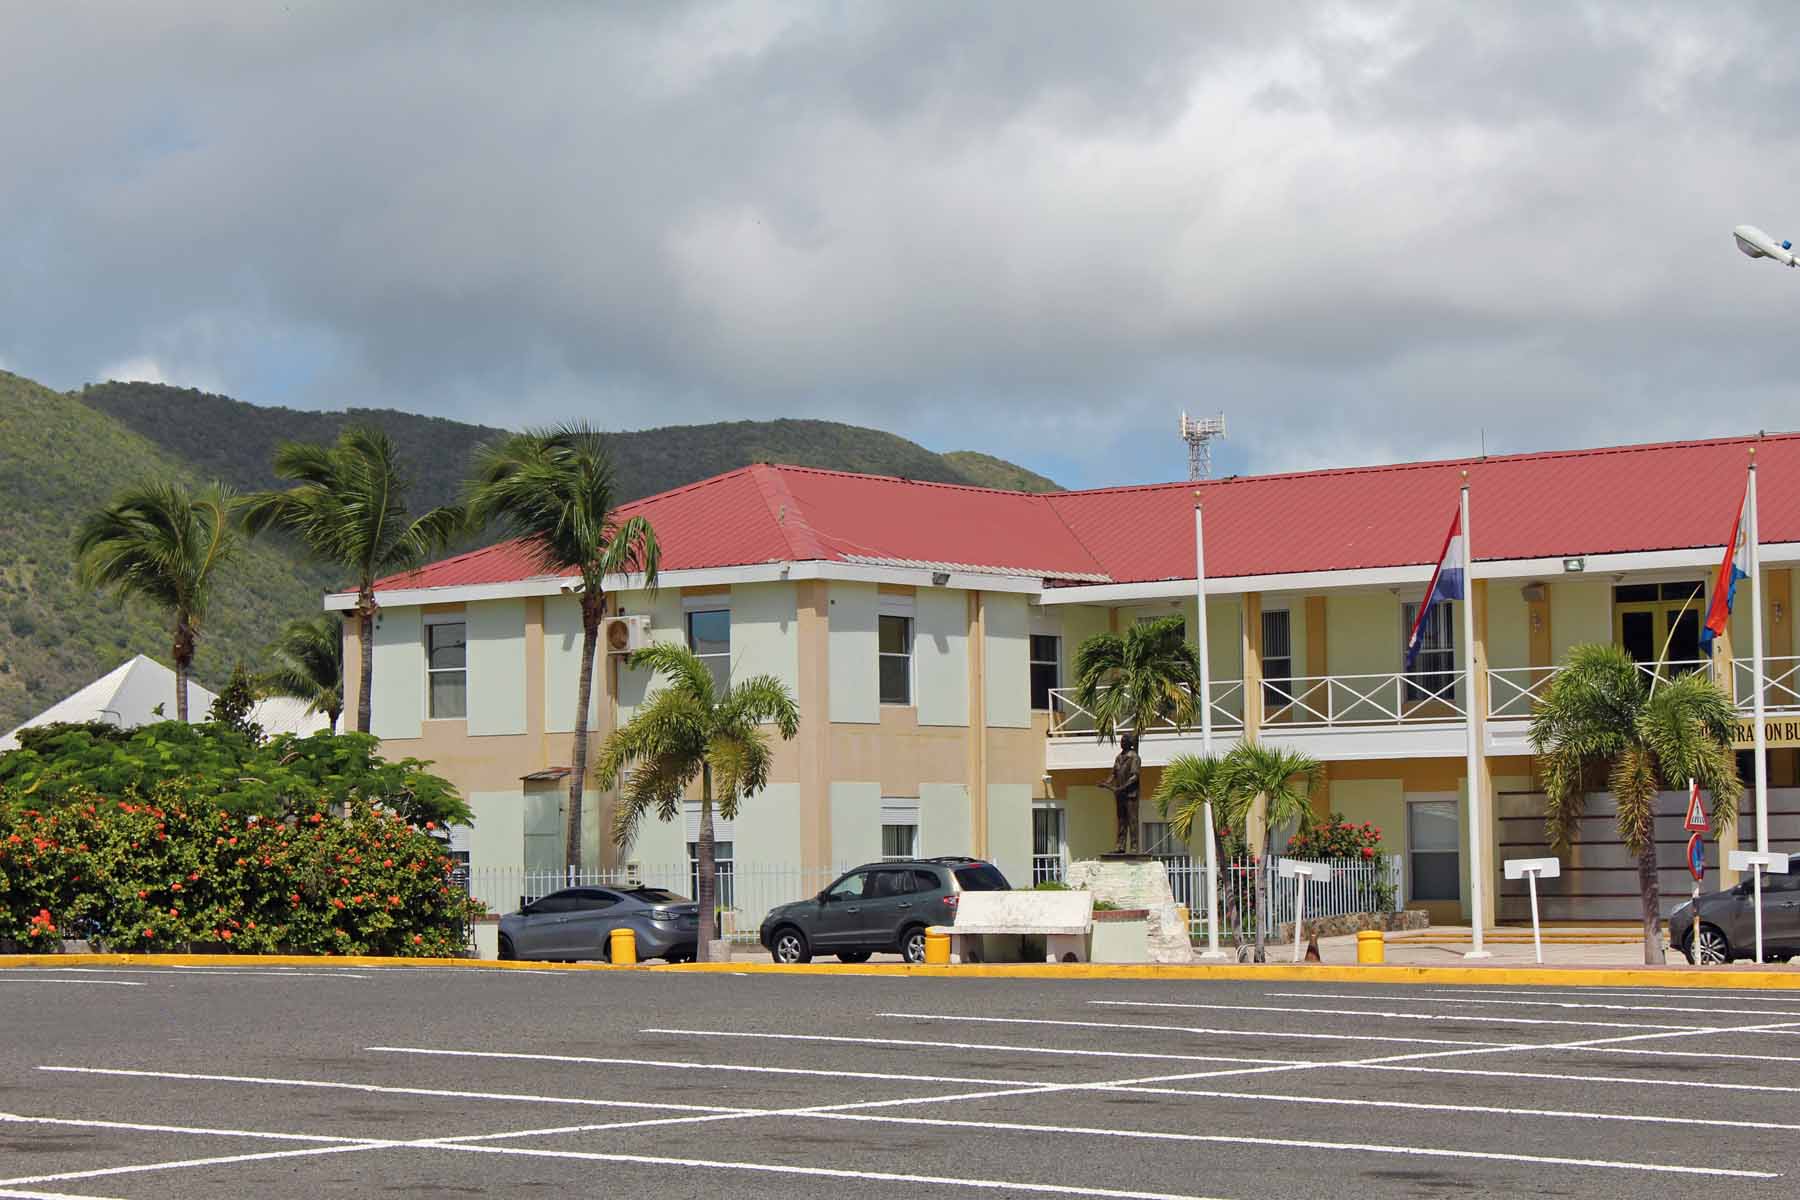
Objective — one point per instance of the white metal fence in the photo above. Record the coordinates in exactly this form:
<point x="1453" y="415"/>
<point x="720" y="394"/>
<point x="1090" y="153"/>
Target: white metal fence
<point x="1357" y="886"/>
<point x="1047" y="868"/>
<point x="746" y="891"/>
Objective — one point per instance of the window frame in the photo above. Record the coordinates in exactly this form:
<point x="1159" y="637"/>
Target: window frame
<point x="1423" y="683"/>
<point x="1454" y="852"/>
<point x="430" y="622"/>
<point x="908" y="656"/>
<point x="705" y="607"/>
<point x="1033" y="663"/>
<point x="724" y="871"/>
<point x="1278" y="689"/>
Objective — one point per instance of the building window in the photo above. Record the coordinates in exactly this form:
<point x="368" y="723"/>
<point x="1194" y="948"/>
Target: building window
<point x="709" y="637"/>
<point x="1046" y="669"/>
<point x="1161" y="842"/>
<point x="896" y="643"/>
<point x="1433" y="676"/>
<point x="1046" y="844"/>
<point x="1435" y="862"/>
<point x="725" y="895"/>
<point x="899" y="841"/>
<point x="1277" y="659"/>
<point x="447" y="670"/>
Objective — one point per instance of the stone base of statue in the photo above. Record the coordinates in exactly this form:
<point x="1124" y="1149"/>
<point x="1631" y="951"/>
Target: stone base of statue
<point x="1138" y="881"/>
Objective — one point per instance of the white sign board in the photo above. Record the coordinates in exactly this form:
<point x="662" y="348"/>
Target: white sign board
<point x="1745" y="860"/>
<point x="1543" y="868"/>
<point x="1317" y="872"/>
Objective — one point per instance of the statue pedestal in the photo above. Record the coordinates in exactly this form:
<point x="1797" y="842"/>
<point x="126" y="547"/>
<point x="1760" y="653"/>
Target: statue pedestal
<point x="1138" y="881"/>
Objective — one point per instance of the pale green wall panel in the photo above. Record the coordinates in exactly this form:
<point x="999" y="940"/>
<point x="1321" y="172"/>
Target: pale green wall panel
<point x="1508" y="625"/>
<point x="1008" y="661"/>
<point x="855" y="823"/>
<point x="562" y="665"/>
<point x="496" y="656"/>
<point x="851" y="648"/>
<point x="765" y="636"/>
<point x="941" y="656"/>
<point x="944" y="819"/>
<point x="1009" y="831"/>
<point x="666" y="625"/>
<point x="767" y="829"/>
<point x="1580" y="611"/>
<point x="397" y="691"/>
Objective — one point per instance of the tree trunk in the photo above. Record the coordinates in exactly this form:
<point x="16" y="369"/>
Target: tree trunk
<point x="365" y="632"/>
<point x="183" y="654"/>
<point x="591" y="607"/>
<point x="332" y="715"/>
<point x="1652" y="892"/>
<point x="706" y="872"/>
<point x="1262" y="894"/>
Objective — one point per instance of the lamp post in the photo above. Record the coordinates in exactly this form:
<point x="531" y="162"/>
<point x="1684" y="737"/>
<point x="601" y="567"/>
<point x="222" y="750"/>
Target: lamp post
<point x="1757" y="244"/>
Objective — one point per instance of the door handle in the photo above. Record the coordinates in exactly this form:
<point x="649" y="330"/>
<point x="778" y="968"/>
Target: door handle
<point x="854" y="908"/>
<point x="904" y="904"/>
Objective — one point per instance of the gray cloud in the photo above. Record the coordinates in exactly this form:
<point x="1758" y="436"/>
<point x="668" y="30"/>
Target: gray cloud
<point x="1364" y="231"/>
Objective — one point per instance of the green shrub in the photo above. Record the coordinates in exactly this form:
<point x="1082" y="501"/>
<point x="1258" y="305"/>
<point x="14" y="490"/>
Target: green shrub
<point x="164" y="875"/>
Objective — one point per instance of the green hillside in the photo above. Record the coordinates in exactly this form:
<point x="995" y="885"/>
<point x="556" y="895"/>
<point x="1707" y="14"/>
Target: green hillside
<point x="58" y="460"/>
<point x="62" y="455"/>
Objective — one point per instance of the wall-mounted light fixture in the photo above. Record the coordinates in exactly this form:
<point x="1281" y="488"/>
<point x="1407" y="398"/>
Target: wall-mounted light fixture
<point x="1573" y="565"/>
<point x="940" y="578"/>
<point x="1780" y="611"/>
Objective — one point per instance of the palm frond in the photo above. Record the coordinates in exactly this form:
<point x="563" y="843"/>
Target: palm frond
<point x="1284" y="779"/>
<point x="1634" y="788"/>
<point x="1134" y="680"/>
<point x="1188" y="783"/>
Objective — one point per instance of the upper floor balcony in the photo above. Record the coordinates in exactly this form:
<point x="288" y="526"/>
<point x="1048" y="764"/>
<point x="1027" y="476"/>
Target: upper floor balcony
<point x="1390" y="715"/>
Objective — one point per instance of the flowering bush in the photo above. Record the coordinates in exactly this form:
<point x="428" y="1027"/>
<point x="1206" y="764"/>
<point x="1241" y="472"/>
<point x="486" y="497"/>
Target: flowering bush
<point x="1335" y="837"/>
<point x="160" y="874"/>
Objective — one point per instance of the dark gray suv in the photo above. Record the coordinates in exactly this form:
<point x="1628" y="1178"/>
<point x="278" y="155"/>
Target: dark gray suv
<point x="1728" y="920"/>
<point x="877" y="908"/>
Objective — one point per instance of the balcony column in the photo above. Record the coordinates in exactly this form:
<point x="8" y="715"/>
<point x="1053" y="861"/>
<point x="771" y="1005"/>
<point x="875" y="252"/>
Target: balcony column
<point x="1477" y="703"/>
<point x="1250" y="642"/>
<point x="1725" y="675"/>
<point x="1779" y="624"/>
<point x="1318" y="662"/>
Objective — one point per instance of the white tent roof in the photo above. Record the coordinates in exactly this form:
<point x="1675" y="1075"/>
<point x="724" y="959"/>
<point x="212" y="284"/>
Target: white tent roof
<point x="129" y="694"/>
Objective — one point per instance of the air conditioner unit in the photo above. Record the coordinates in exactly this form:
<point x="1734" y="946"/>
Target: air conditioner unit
<point x="625" y="634"/>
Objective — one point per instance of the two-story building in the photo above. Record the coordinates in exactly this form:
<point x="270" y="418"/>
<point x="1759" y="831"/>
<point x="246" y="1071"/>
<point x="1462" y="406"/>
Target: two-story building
<point x="928" y="631"/>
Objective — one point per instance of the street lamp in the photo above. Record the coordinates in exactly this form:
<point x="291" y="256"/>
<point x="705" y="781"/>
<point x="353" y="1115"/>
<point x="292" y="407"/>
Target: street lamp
<point x="1757" y="244"/>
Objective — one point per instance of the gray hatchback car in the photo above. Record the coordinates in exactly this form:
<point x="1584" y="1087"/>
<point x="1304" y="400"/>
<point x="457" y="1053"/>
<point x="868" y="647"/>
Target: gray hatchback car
<point x="876" y="908"/>
<point x="577" y="923"/>
<point x="1728" y="920"/>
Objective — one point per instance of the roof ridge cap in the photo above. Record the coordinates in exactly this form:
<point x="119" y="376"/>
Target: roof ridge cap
<point x="930" y="483"/>
<point x="801" y="538"/>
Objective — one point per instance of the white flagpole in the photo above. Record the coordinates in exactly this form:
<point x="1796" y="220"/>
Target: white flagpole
<point x="1753" y="536"/>
<point x="1206" y="736"/>
<point x="1477" y="827"/>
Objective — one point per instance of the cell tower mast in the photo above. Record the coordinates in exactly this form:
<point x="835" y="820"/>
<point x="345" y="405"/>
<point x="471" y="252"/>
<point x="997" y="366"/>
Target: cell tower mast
<point x="1199" y="433"/>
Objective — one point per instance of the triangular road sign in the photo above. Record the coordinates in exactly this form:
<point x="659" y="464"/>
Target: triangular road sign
<point x="1696" y="812"/>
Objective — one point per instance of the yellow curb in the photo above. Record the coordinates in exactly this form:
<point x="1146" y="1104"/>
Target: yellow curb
<point x="1667" y="977"/>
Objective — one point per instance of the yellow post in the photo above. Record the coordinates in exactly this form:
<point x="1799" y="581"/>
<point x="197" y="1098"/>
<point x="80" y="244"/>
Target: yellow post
<point x="624" y="947"/>
<point x="937" y="946"/>
<point x="1371" y="946"/>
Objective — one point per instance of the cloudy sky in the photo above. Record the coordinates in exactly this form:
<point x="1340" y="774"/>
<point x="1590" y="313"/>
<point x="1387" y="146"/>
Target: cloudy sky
<point x="1364" y="232"/>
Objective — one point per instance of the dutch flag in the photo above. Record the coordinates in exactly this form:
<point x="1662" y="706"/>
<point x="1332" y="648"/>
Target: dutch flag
<point x="1446" y="584"/>
<point x="1718" y="613"/>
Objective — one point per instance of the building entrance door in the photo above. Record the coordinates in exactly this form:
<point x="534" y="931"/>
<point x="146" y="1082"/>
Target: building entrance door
<point x="1660" y="623"/>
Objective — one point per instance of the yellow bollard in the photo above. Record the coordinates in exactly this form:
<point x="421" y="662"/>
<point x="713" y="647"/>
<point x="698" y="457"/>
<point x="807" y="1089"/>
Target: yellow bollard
<point x="937" y="946"/>
<point x="1371" y="946"/>
<point x="624" y="947"/>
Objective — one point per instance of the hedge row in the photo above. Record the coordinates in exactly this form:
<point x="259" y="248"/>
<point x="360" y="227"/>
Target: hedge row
<point x="165" y="875"/>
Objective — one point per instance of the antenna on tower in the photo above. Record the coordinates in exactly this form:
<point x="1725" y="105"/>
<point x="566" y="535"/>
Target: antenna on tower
<point x="1199" y="433"/>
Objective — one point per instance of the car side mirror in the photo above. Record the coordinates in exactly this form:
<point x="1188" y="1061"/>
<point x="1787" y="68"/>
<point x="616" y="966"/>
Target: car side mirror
<point x="823" y="897"/>
<point x="1743" y="889"/>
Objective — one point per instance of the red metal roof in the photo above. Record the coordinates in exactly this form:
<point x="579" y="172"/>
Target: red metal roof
<point x="1549" y="505"/>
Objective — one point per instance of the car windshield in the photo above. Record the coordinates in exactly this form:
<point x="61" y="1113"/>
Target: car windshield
<point x="650" y="895"/>
<point x="980" y="877"/>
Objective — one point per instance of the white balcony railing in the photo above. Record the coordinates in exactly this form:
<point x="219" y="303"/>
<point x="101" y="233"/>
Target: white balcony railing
<point x="1513" y="691"/>
<point x="1333" y="701"/>
<point x="1069" y="719"/>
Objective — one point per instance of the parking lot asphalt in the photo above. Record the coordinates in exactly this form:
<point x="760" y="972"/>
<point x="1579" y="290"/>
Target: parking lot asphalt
<point x="151" y="1082"/>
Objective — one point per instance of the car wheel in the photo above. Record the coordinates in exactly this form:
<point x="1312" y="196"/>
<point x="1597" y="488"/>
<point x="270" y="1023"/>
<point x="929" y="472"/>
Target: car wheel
<point x="507" y="953"/>
<point x="854" y="956"/>
<point x="912" y="944"/>
<point x="1713" y="946"/>
<point x="789" y="945"/>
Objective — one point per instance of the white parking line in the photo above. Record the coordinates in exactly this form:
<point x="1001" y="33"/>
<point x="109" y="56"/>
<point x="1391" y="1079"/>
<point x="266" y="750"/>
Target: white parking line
<point x="1259" y="1033"/>
<point x="1762" y="997"/>
<point x="91" y="982"/>
<point x="1388" y="1014"/>
<point x="10" y="1194"/>
<point x="678" y="1065"/>
<point x="1564" y="1004"/>
<point x="911" y="1043"/>
<point x="7" y="1118"/>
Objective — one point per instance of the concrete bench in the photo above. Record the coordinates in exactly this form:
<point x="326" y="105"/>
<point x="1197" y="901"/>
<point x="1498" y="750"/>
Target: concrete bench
<point x="989" y="924"/>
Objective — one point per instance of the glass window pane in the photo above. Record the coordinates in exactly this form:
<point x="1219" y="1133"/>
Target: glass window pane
<point x="1436" y="876"/>
<point x="1433" y="826"/>
<point x="899" y="841"/>
<point x="1046" y="831"/>
<point x="1684" y="591"/>
<point x="1044" y="648"/>
<point x="927" y="881"/>
<point x="980" y="878"/>
<point x="720" y="666"/>
<point x="896" y="679"/>
<point x="895" y="634"/>
<point x="446" y="645"/>
<point x="1637" y="635"/>
<point x="449" y="695"/>
<point x="709" y="632"/>
<point x="1634" y="593"/>
<point x="1275" y="633"/>
<point x="850" y="886"/>
<point x="1043" y="681"/>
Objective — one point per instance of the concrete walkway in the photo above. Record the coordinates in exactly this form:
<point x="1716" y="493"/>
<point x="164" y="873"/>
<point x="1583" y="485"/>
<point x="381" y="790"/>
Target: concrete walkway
<point x="1564" y="946"/>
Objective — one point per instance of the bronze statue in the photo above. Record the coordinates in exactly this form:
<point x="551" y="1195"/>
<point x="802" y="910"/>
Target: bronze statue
<point x="1123" y="784"/>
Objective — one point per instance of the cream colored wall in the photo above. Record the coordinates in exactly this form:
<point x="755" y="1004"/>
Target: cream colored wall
<point x="765" y="633"/>
<point x="562" y="665"/>
<point x="1508" y="625"/>
<point x="941" y="656"/>
<point x="852" y="652"/>
<point x="660" y="843"/>
<point x="1079" y="622"/>
<point x="1008" y="652"/>
<point x="1088" y="819"/>
<point x="667" y="624"/>
<point x="1580" y="611"/>
<point x="1009" y="830"/>
<point x="945" y="826"/>
<point x="496" y="657"/>
<point x="855" y="823"/>
<point x="398" y="696"/>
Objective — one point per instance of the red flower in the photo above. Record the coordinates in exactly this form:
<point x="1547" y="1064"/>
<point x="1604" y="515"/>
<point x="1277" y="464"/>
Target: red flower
<point x="1367" y="852"/>
<point x="149" y="933"/>
<point x="226" y="934"/>
<point x="174" y="912"/>
<point x="418" y="938"/>
<point x="387" y="862"/>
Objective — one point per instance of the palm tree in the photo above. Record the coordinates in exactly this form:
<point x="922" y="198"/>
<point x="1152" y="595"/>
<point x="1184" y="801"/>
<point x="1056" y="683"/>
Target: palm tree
<point x="1131" y="681"/>
<point x="686" y="731"/>
<point x="348" y="507"/>
<point x="309" y="665"/>
<point x="1603" y="716"/>
<point x="160" y="542"/>
<point x="1281" y="781"/>
<point x="554" y="490"/>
